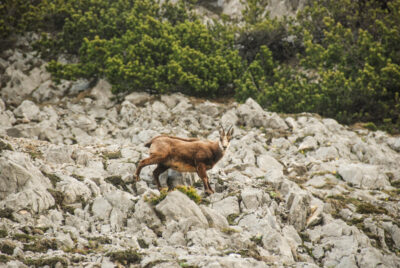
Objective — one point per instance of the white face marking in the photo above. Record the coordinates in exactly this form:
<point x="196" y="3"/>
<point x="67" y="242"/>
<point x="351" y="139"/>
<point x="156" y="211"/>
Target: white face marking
<point x="224" y="143"/>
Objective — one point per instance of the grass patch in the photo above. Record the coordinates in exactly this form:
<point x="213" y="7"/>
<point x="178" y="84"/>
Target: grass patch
<point x="25" y="238"/>
<point x="362" y="207"/>
<point x="6" y="213"/>
<point x="367" y="208"/>
<point x="125" y="257"/>
<point x="3" y="233"/>
<point x="57" y="195"/>
<point x="142" y="243"/>
<point x="257" y="240"/>
<point x="5" y="258"/>
<point x="191" y="192"/>
<point x="52" y="262"/>
<point x="112" y="155"/>
<point x="5" y="146"/>
<point x="229" y="231"/>
<point x="78" y="177"/>
<point x="231" y="218"/>
<point x="7" y="247"/>
<point x="53" y="178"/>
<point x="117" y="182"/>
<point x="155" y="199"/>
<point x="395" y="184"/>
<point x="41" y="245"/>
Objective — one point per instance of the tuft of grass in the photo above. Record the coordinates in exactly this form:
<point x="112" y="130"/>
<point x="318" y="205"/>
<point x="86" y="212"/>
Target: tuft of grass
<point x="142" y="243"/>
<point x="5" y="258"/>
<point x="371" y="126"/>
<point x="228" y="231"/>
<point x="41" y="245"/>
<point x="5" y="146"/>
<point x="7" y="247"/>
<point x="3" y="233"/>
<point x="52" y="262"/>
<point x="78" y="177"/>
<point x="155" y="199"/>
<point x="125" y="257"/>
<point x="367" y="208"/>
<point x="57" y="195"/>
<point x="191" y="192"/>
<point x="6" y="213"/>
<point x="231" y="218"/>
<point x="257" y="240"/>
<point x="25" y="238"/>
<point x="362" y="207"/>
<point x="53" y="178"/>
<point x="395" y="184"/>
<point x="112" y="155"/>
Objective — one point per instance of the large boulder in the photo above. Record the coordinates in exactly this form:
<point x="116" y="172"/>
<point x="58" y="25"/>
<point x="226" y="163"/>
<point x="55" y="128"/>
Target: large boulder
<point x="17" y="173"/>
<point x="177" y="206"/>
<point x="27" y="110"/>
<point x="363" y="176"/>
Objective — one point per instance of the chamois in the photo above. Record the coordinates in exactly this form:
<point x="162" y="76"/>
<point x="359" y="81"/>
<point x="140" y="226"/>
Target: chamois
<point x="185" y="155"/>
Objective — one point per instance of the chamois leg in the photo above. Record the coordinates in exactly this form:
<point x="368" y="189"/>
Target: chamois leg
<point x="202" y="172"/>
<point x="156" y="173"/>
<point x="145" y="162"/>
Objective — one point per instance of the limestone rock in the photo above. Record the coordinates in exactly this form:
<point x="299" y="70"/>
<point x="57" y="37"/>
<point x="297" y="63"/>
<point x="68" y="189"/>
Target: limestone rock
<point x="177" y="206"/>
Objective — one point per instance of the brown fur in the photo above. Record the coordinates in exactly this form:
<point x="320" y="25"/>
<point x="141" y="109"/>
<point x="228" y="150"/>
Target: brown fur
<point x="183" y="155"/>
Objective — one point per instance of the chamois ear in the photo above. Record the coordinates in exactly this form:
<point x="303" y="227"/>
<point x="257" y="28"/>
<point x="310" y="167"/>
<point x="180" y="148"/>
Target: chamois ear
<point x="230" y="132"/>
<point x="221" y="130"/>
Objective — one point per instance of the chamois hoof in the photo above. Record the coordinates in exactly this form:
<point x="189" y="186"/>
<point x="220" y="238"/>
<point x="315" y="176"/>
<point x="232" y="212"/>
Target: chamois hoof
<point x="209" y="191"/>
<point x="136" y="178"/>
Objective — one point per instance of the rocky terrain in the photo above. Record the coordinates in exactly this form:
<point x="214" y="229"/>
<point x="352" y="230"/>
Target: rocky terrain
<point x="291" y="191"/>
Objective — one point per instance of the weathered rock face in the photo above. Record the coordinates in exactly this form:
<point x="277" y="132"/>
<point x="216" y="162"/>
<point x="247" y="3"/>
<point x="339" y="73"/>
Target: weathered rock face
<point x="290" y="191"/>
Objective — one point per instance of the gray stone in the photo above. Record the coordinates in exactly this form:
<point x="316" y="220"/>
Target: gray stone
<point x="35" y="200"/>
<point x="215" y="219"/>
<point x="102" y="93"/>
<point x="27" y="109"/>
<point x="266" y="163"/>
<point x="326" y="153"/>
<point x="229" y="118"/>
<point x="276" y="244"/>
<point x="138" y="98"/>
<point x="171" y="100"/>
<point x="58" y="154"/>
<point x="227" y="206"/>
<point x="177" y="206"/>
<point x="309" y="143"/>
<point x="101" y="208"/>
<point x="363" y="176"/>
<point x="208" y="108"/>
<point x="79" y="86"/>
<point x="20" y="85"/>
<point x="17" y="173"/>
<point x="73" y="190"/>
<point x="144" y="213"/>
<point x="369" y="258"/>
<point x="251" y="198"/>
<point x="299" y="208"/>
<point x="2" y="106"/>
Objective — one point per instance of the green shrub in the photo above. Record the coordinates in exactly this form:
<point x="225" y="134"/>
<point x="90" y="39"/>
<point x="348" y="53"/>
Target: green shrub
<point x="348" y="68"/>
<point x="191" y="192"/>
<point x="142" y="46"/>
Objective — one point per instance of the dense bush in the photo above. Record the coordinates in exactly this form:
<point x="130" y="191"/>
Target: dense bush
<point x="348" y="67"/>
<point x="140" y="46"/>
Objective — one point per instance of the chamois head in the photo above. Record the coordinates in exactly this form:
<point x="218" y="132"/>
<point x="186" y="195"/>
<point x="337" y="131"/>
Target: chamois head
<point x="225" y="137"/>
